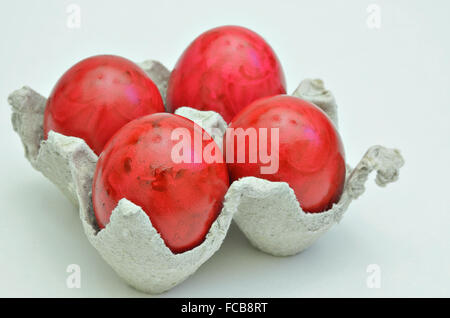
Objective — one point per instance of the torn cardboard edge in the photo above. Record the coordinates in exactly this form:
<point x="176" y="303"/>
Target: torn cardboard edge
<point x="131" y="245"/>
<point x="269" y="214"/>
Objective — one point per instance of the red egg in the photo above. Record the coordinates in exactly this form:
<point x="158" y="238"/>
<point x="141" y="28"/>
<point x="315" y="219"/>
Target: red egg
<point x="309" y="157"/>
<point x="182" y="199"/>
<point x="97" y="96"/>
<point x="224" y="70"/>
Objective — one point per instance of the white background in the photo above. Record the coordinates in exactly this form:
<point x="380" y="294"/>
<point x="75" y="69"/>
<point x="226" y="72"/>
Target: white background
<point x="392" y="86"/>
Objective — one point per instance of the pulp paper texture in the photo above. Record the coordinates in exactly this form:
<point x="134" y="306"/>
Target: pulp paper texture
<point x="267" y="212"/>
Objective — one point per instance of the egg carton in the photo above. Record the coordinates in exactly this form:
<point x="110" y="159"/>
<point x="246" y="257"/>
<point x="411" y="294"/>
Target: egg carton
<point x="268" y="213"/>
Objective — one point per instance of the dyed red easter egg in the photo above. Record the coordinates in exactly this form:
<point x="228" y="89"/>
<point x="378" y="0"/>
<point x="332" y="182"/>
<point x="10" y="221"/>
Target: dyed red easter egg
<point x="310" y="154"/>
<point x="182" y="199"/>
<point x="97" y="96"/>
<point x="224" y="70"/>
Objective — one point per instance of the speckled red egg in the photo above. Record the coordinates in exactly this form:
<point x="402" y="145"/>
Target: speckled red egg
<point x="181" y="199"/>
<point x="97" y="96"/>
<point x="310" y="154"/>
<point x="225" y="69"/>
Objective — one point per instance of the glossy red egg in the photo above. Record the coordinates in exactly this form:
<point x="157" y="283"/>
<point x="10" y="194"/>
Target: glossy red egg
<point x="224" y="70"/>
<point x="310" y="153"/>
<point x="181" y="199"/>
<point x="97" y="96"/>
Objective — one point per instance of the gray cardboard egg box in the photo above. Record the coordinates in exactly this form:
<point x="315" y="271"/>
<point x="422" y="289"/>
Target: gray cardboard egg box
<point x="268" y="213"/>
